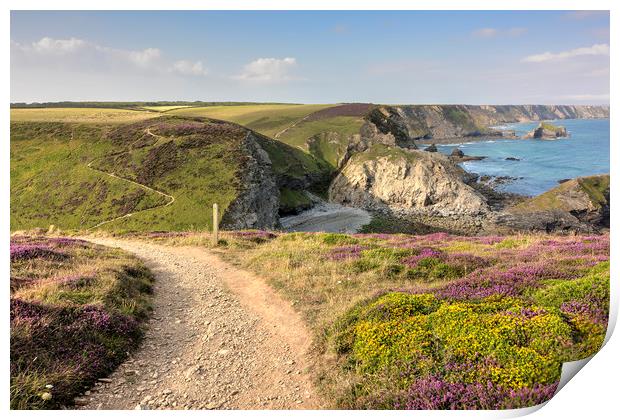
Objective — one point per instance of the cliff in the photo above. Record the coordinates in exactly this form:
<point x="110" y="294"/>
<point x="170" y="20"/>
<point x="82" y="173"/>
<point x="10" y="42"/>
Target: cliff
<point x="577" y="205"/>
<point x="256" y="205"/>
<point x="410" y="184"/>
<point x="407" y="124"/>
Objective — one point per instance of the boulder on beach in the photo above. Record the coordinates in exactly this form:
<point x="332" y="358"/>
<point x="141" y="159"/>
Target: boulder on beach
<point x="431" y="148"/>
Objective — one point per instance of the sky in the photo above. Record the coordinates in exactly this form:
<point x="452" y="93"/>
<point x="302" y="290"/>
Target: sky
<point x="389" y="57"/>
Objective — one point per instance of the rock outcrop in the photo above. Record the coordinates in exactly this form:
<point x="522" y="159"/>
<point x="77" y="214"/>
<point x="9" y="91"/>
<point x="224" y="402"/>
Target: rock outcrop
<point x="578" y="205"/>
<point x="256" y="206"/>
<point x="546" y="131"/>
<point x="410" y="184"/>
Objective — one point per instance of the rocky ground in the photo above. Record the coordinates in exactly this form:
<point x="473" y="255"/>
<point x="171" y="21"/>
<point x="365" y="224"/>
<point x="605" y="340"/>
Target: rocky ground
<point x="218" y="338"/>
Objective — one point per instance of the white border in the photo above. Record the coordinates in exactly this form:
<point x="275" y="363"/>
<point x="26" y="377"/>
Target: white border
<point x="591" y="395"/>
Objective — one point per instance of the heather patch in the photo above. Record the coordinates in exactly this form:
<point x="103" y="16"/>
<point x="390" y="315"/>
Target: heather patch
<point x="443" y="321"/>
<point x="257" y="236"/>
<point x="73" y="319"/>
<point x="435" y="393"/>
<point x="345" y="252"/>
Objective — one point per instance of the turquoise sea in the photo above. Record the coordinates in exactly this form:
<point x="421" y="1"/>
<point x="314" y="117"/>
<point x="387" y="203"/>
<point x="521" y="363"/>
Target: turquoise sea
<point x="542" y="162"/>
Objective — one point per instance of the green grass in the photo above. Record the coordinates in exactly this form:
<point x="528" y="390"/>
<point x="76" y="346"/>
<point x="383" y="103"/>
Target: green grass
<point x="460" y="118"/>
<point x="549" y="126"/>
<point x="293" y="200"/>
<point x="372" y="344"/>
<point x="294" y="166"/>
<point x="377" y="151"/>
<point x="300" y="133"/>
<point x="267" y="119"/>
<point x="596" y="187"/>
<point x="51" y="184"/>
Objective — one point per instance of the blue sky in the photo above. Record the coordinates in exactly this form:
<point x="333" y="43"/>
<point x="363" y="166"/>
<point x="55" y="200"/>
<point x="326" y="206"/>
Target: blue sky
<point x="473" y="57"/>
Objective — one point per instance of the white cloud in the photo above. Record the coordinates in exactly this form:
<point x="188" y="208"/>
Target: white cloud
<point x="48" y="45"/>
<point x="485" y="32"/>
<point x="268" y="70"/>
<point x="189" y="68"/>
<point x="596" y="49"/>
<point x="77" y="54"/>
<point x="144" y="58"/>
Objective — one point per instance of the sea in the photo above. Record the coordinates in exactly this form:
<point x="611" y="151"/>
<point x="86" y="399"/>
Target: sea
<point x="542" y="163"/>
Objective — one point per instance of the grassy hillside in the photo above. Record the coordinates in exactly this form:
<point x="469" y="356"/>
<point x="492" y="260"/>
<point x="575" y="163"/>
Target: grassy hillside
<point x="51" y="183"/>
<point x="595" y="188"/>
<point x="76" y="310"/>
<point x="435" y="321"/>
<point x="322" y="130"/>
<point x="62" y="161"/>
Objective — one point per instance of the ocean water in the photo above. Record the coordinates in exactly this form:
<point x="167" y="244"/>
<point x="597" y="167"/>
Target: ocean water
<point x="542" y="162"/>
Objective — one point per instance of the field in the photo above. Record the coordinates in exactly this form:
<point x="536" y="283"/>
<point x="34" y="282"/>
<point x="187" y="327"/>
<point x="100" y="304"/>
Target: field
<point x="265" y="119"/>
<point x="80" y="115"/>
<point x="435" y="321"/>
<point x="76" y="309"/>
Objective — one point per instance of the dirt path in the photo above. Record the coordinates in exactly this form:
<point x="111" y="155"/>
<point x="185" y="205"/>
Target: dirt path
<point x="219" y="337"/>
<point x="146" y="187"/>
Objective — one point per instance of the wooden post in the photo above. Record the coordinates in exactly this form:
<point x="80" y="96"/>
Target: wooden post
<point x="216" y="221"/>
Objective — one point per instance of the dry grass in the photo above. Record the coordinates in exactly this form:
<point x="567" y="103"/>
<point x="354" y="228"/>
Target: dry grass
<point x="80" y="115"/>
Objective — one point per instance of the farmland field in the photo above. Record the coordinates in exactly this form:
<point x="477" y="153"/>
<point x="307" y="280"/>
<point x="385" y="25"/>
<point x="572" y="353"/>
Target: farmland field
<point x="266" y="119"/>
<point x="80" y="115"/>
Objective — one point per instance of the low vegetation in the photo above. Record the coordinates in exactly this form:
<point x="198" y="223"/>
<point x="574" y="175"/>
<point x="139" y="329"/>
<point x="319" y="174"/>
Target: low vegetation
<point x="435" y="321"/>
<point x="76" y="309"/>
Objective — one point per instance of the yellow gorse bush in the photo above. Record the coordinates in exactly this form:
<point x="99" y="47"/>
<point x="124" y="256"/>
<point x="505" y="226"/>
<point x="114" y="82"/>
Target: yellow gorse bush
<point x="495" y="340"/>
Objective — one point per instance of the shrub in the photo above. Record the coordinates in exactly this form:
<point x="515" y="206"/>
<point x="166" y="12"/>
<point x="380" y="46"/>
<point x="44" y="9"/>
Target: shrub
<point x="499" y="344"/>
<point x="68" y="330"/>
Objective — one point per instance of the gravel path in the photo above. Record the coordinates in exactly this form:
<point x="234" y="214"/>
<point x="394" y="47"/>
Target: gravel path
<point x="219" y="338"/>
